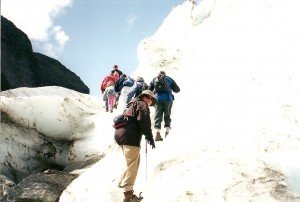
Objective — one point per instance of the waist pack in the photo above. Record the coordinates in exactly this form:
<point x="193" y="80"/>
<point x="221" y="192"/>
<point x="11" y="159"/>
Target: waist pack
<point x="120" y="121"/>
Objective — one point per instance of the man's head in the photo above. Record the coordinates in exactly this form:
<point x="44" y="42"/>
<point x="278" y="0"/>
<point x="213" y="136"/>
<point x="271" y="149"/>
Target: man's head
<point x="140" y="79"/>
<point x="148" y="97"/>
<point x="161" y="74"/>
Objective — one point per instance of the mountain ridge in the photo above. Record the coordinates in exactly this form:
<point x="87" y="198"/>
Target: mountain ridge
<point x="21" y="67"/>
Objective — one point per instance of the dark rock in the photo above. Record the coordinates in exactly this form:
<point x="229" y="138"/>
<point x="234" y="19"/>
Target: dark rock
<point x="46" y="186"/>
<point x="18" y="64"/>
<point x="52" y="73"/>
<point x="21" y="67"/>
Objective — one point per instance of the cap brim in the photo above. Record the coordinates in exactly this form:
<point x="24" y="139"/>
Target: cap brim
<point x="154" y="100"/>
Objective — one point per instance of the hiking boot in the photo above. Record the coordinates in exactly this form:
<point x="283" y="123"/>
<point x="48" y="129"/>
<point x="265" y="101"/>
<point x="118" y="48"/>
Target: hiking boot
<point x="166" y="133"/>
<point x="158" y="137"/>
<point x="106" y="109"/>
<point x="130" y="197"/>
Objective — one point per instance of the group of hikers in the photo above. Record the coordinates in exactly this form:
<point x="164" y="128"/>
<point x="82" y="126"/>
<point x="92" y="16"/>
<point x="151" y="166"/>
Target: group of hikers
<point x="138" y="97"/>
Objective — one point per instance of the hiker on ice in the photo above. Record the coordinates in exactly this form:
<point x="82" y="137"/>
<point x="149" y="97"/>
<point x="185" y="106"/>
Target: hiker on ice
<point x="109" y="78"/>
<point x="138" y="87"/>
<point x="109" y="96"/>
<point x="163" y="86"/>
<point x="129" y="137"/>
<point x="106" y="80"/>
<point x="123" y="81"/>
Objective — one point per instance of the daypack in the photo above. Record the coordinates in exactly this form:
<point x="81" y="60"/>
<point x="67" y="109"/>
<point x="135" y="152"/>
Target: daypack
<point x="128" y="82"/>
<point x="144" y="86"/>
<point x="120" y="121"/>
<point x="124" y="118"/>
<point x="111" y="91"/>
<point x="160" y="85"/>
<point x="141" y="86"/>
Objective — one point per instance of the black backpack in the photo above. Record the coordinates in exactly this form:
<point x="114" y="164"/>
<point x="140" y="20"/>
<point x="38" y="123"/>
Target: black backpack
<point x="161" y="85"/>
<point x="140" y="88"/>
<point x="144" y="86"/>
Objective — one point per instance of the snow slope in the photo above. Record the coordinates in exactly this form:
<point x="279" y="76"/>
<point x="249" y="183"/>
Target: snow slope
<point x="235" y="124"/>
<point x="235" y="130"/>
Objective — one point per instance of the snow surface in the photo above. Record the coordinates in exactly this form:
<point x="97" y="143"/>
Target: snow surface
<point x="235" y="124"/>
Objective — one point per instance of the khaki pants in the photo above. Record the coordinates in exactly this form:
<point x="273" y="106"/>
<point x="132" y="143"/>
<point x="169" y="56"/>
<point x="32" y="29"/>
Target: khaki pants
<point x="132" y="157"/>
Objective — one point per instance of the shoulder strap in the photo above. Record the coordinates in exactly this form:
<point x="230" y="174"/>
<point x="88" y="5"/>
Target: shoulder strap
<point x="129" y="110"/>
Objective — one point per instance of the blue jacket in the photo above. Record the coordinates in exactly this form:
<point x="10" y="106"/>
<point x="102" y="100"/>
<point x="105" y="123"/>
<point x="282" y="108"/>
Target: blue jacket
<point x="123" y="81"/>
<point x="119" y="83"/>
<point x="166" y="95"/>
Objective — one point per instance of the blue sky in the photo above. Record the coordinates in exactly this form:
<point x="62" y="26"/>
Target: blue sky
<point x="89" y="36"/>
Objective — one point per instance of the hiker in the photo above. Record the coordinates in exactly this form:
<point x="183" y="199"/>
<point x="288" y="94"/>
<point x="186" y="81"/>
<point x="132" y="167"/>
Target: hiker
<point x="106" y="80"/>
<point x="137" y="88"/>
<point x="163" y="86"/>
<point x="124" y="80"/>
<point x="123" y="87"/>
<point x="109" y="96"/>
<point x="129" y="138"/>
<point x="116" y="71"/>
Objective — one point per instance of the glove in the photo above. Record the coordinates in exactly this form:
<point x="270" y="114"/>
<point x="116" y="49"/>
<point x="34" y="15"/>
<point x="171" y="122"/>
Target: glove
<point x="151" y="142"/>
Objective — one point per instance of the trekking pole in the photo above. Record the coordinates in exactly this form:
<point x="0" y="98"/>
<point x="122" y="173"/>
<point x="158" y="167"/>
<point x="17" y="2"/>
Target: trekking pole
<point x="146" y="158"/>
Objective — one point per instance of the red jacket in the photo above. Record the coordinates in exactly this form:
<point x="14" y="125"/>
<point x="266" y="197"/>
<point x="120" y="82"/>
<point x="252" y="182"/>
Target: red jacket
<point x="106" y="80"/>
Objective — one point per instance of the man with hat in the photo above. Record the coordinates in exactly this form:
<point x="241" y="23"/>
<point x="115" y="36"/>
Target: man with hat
<point x="163" y="86"/>
<point x="116" y="69"/>
<point x="129" y="138"/>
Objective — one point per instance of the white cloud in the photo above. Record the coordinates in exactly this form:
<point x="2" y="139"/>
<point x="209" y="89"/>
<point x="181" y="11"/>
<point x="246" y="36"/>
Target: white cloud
<point x="35" y="18"/>
<point x="55" y="45"/>
<point x="131" y="19"/>
<point x="60" y="35"/>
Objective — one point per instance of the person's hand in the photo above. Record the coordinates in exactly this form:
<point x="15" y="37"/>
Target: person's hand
<point x="151" y="142"/>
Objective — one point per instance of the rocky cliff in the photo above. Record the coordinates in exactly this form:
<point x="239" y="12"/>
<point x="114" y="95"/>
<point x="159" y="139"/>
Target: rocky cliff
<point x="21" y="67"/>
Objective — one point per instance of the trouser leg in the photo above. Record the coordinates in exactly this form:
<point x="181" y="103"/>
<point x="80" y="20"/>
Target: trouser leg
<point x="167" y="113"/>
<point x="132" y="158"/>
<point x="106" y="103"/>
<point x="111" y="102"/>
<point x="158" y="115"/>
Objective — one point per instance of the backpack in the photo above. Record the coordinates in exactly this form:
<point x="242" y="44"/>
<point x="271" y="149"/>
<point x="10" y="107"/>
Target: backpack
<point x="144" y="86"/>
<point x="111" y="91"/>
<point x="140" y="88"/>
<point x="120" y="121"/>
<point x="161" y="85"/>
<point x="128" y="82"/>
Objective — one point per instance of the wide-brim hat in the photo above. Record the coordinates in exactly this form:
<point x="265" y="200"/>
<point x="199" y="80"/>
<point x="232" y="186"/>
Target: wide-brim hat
<point x="150" y="94"/>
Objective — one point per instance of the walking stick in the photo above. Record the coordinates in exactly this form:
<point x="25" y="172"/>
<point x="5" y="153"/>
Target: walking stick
<point x="146" y="158"/>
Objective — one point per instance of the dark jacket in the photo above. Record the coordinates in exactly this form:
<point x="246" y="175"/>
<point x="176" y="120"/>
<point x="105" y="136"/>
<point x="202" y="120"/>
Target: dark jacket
<point x="123" y="81"/>
<point x="119" y="83"/>
<point x="119" y="72"/>
<point x="139" y="124"/>
<point x="167" y="95"/>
